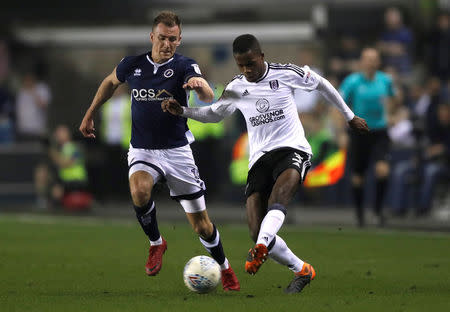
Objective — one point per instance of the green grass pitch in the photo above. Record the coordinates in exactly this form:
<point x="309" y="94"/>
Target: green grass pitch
<point x="80" y="264"/>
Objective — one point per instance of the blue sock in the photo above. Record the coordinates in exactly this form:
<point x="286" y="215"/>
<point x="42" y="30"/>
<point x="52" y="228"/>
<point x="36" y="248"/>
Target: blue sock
<point x="146" y="216"/>
<point x="214" y="246"/>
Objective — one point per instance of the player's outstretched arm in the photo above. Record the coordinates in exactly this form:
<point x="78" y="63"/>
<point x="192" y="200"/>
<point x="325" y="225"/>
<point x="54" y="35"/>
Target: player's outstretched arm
<point x="201" y="87"/>
<point x="202" y="114"/>
<point x="332" y="95"/>
<point x="104" y="93"/>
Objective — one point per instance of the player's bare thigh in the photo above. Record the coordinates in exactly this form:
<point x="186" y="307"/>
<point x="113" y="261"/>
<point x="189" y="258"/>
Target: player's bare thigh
<point x="141" y="186"/>
<point x="256" y="210"/>
<point x="285" y="187"/>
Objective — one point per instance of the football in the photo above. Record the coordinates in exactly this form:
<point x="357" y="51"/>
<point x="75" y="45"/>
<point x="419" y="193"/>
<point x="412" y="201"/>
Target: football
<point x="201" y="274"/>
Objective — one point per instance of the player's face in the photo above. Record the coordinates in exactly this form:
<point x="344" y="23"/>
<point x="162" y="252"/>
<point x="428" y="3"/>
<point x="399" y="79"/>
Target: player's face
<point x="165" y="41"/>
<point x="251" y="64"/>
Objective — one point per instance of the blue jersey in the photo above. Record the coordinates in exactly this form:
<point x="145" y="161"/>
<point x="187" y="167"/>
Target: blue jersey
<point x="150" y="84"/>
<point x="366" y="97"/>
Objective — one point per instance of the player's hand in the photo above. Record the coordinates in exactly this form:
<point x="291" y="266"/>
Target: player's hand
<point x="194" y="83"/>
<point x="87" y="127"/>
<point x="172" y="106"/>
<point x="359" y="125"/>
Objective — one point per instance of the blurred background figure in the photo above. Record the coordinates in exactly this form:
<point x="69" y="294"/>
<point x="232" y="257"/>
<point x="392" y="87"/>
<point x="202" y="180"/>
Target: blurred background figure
<point x="115" y="135"/>
<point x="33" y="99"/>
<point x="370" y="93"/>
<point x="423" y="172"/>
<point x="396" y="43"/>
<point x="438" y="48"/>
<point x="63" y="181"/>
<point x="6" y="98"/>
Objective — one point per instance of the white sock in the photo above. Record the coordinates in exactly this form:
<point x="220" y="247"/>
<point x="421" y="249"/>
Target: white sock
<point x="225" y="265"/>
<point x="281" y="253"/>
<point x="156" y="242"/>
<point x="270" y="226"/>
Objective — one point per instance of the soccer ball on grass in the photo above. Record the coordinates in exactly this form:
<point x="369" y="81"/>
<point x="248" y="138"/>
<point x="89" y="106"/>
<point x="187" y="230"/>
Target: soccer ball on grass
<point x="201" y="274"/>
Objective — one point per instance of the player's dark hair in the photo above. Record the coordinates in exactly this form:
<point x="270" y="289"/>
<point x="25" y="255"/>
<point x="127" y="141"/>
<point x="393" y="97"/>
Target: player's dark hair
<point x="245" y="43"/>
<point x="167" y="18"/>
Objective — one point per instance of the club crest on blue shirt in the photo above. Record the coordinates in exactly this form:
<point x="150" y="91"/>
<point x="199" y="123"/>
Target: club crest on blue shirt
<point x="274" y="84"/>
<point x="168" y="73"/>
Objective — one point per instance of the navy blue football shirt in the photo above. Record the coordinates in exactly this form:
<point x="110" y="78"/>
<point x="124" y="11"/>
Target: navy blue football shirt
<point x="150" y="84"/>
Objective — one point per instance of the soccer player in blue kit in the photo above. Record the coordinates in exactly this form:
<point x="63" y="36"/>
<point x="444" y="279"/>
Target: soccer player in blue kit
<point x="159" y="147"/>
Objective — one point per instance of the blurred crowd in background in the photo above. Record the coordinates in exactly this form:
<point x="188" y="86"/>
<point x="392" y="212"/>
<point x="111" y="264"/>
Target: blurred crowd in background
<point x="46" y="162"/>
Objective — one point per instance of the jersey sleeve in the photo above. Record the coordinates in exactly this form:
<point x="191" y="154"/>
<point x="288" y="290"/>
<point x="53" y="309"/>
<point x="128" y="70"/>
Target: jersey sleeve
<point x="225" y="105"/>
<point x="302" y="77"/>
<point x="191" y="69"/>
<point x="123" y="69"/>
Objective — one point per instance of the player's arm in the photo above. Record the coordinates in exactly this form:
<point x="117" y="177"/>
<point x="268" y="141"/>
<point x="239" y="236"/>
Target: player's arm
<point x="104" y="93"/>
<point x="201" y="87"/>
<point x="332" y="95"/>
<point x="203" y="114"/>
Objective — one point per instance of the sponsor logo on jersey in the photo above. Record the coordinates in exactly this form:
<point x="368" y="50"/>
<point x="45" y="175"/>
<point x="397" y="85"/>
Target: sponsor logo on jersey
<point x="146" y="95"/>
<point x="262" y="105"/>
<point x="266" y="118"/>
<point x="274" y="84"/>
<point x="137" y="72"/>
<point x="168" y="73"/>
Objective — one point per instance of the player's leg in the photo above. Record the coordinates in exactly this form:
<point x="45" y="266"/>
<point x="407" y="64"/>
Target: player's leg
<point x="186" y="186"/>
<point x="143" y="174"/>
<point x="256" y="206"/>
<point x="360" y="155"/>
<point x="210" y="238"/>
<point x="382" y="170"/>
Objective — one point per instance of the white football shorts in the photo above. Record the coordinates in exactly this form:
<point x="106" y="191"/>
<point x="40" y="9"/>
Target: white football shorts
<point x="176" y="167"/>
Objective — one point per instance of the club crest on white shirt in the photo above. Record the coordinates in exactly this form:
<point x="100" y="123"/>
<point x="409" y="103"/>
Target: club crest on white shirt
<point x="274" y="84"/>
<point x="262" y="105"/>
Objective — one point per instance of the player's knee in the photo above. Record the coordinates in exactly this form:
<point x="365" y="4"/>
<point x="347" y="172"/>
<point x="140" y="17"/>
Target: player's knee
<point x="382" y="169"/>
<point x="140" y="196"/>
<point x="282" y="195"/>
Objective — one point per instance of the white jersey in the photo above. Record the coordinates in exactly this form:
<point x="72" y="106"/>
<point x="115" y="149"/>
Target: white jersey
<point x="269" y="108"/>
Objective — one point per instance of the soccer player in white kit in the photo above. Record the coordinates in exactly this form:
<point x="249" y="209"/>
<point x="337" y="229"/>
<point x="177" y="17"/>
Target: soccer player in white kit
<point x="279" y="152"/>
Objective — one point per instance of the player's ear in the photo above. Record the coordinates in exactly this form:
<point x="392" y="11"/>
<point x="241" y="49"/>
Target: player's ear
<point x="151" y="37"/>
<point x="179" y="42"/>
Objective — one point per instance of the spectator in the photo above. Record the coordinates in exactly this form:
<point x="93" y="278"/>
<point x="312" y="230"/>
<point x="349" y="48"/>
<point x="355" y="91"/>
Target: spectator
<point x="6" y="99"/>
<point x="346" y="58"/>
<point x="68" y="160"/>
<point x="432" y="165"/>
<point x="115" y="134"/>
<point x="32" y="103"/>
<point x="438" y="48"/>
<point x="396" y="43"/>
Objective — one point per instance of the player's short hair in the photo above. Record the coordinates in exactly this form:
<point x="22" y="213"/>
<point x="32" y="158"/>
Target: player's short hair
<point x="244" y="43"/>
<point x="167" y="18"/>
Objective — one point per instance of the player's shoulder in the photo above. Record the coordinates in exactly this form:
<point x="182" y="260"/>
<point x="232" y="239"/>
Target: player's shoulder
<point x="133" y="59"/>
<point x="353" y="78"/>
<point x="183" y="59"/>
<point x="235" y="80"/>
<point x="384" y="76"/>
<point x="288" y="68"/>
